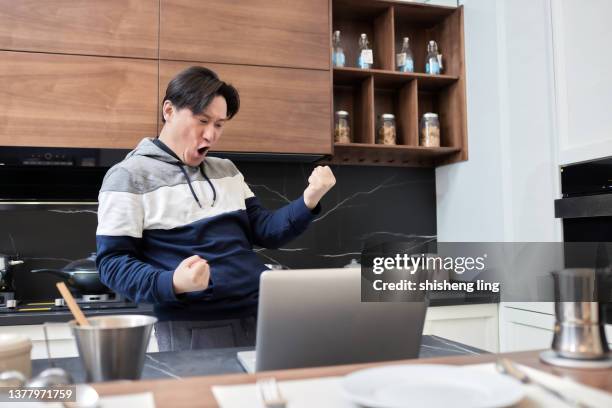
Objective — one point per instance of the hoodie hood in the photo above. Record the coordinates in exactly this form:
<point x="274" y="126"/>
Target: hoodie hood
<point x="158" y="150"/>
<point x="148" y="147"/>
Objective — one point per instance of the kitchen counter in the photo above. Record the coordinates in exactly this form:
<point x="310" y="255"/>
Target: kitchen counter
<point x="23" y="318"/>
<point x="180" y="364"/>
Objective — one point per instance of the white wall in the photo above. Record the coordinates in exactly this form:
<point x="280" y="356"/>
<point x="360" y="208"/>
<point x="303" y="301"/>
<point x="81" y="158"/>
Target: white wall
<point x="470" y="203"/>
<point x="505" y="191"/>
<point x="583" y="64"/>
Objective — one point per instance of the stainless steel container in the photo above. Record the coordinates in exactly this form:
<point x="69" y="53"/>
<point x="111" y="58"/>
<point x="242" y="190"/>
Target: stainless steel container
<point x="113" y="347"/>
<point x="579" y="330"/>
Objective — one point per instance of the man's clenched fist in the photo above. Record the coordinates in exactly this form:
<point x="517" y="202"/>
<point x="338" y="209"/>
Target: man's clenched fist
<point x="320" y="182"/>
<point x="191" y="275"/>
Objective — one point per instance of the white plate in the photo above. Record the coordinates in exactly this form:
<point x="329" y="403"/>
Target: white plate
<point x="431" y="385"/>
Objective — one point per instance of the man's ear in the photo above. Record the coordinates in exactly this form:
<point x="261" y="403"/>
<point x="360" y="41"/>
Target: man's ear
<point x="167" y="110"/>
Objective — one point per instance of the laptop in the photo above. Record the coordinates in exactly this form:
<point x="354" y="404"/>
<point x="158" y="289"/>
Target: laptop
<point x="315" y="317"/>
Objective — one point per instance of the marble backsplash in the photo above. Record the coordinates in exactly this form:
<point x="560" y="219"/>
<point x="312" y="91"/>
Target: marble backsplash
<point x="366" y="203"/>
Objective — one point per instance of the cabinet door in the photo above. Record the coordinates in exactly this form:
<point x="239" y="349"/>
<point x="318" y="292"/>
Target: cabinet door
<point x="61" y="340"/>
<point x="76" y="101"/>
<point x="126" y="28"/>
<point x="473" y="325"/>
<point x="282" y="110"/>
<point x="582" y="81"/>
<point x="258" y="32"/>
<point x="522" y="330"/>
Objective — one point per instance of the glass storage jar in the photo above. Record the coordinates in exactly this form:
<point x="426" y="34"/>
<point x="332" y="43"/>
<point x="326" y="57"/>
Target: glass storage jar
<point x="342" y="130"/>
<point x="429" y="130"/>
<point x="386" y="130"/>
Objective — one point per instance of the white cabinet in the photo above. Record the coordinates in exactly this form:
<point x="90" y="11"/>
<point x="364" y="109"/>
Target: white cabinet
<point x="582" y="82"/>
<point x="529" y="326"/>
<point x="522" y="329"/>
<point x="473" y="325"/>
<point x="509" y="71"/>
<point x="61" y="341"/>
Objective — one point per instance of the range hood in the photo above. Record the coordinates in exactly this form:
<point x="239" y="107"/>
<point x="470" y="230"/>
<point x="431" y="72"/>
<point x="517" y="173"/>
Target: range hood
<point x="51" y="176"/>
<point x="33" y="175"/>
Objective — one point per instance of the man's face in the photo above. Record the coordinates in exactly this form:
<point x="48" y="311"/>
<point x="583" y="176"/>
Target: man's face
<point x="192" y="135"/>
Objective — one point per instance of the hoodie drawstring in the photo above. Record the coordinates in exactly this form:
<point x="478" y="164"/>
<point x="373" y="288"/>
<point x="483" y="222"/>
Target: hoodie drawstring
<point x="189" y="184"/>
<point x="210" y="183"/>
<point x="180" y="164"/>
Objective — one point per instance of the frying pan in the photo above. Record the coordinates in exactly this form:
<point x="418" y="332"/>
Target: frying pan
<point x="81" y="275"/>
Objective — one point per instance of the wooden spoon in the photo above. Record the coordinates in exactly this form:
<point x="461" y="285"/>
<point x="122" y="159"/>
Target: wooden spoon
<point x="72" y="304"/>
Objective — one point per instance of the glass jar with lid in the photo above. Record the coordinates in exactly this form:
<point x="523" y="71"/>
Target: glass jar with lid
<point x="342" y="130"/>
<point x="429" y="135"/>
<point x="386" y="130"/>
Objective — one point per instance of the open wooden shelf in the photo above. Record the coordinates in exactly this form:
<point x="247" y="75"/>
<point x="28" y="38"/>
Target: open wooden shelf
<point x="367" y="93"/>
<point x="384" y="155"/>
<point x="428" y="151"/>
<point x="357" y="98"/>
<point x="393" y="78"/>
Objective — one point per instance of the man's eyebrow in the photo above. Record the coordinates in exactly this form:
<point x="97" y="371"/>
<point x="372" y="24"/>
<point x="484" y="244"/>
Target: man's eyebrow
<point x="209" y="117"/>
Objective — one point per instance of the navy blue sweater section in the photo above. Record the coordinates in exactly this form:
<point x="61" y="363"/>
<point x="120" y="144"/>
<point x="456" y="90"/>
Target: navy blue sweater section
<point x="225" y="241"/>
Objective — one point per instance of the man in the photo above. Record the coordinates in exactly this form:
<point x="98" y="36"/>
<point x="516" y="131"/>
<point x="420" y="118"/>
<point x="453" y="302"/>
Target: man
<point x="176" y="228"/>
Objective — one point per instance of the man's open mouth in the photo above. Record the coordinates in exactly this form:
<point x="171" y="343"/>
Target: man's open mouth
<point x="203" y="150"/>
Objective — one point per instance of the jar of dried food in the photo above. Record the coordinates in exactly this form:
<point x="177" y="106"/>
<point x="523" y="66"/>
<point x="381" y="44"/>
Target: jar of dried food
<point x="430" y="130"/>
<point x="386" y="130"/>
<point x="342" y="130"/>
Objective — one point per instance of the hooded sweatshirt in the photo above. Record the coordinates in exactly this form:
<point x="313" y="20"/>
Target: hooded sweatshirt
<point x="154" y="211"/>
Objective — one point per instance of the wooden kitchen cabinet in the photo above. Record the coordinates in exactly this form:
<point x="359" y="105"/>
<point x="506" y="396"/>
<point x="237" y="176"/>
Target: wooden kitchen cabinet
<point x="281" y="110"/>
<point x="368" y="93"/>
<point x="256" y="32"/>
<point x="126" y="28"/>
<point x="76" y="101"/>
<point x="276" y="52"/>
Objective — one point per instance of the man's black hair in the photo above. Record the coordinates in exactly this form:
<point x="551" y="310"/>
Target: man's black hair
<point x="196" y="87"/>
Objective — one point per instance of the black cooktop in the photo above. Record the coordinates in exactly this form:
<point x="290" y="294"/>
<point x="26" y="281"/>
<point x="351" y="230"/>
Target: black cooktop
<point x="37" y="307"/>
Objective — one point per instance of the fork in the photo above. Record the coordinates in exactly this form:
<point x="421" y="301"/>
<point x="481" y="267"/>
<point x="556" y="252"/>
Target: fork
<point x="270" y="393"/>
<point x="506" y="366"/>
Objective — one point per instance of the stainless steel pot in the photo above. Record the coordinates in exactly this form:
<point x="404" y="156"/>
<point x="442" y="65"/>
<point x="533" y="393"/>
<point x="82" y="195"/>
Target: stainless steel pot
<point x="113" y="347"/>
<point x="81" y="275"/>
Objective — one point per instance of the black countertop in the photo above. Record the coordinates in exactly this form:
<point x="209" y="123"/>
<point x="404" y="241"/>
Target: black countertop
<point x="224" y="361"/>
<point x="22" y="318"/>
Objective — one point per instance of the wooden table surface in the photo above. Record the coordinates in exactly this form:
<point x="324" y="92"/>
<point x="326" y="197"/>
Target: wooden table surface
<point x="196" y="391"/>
